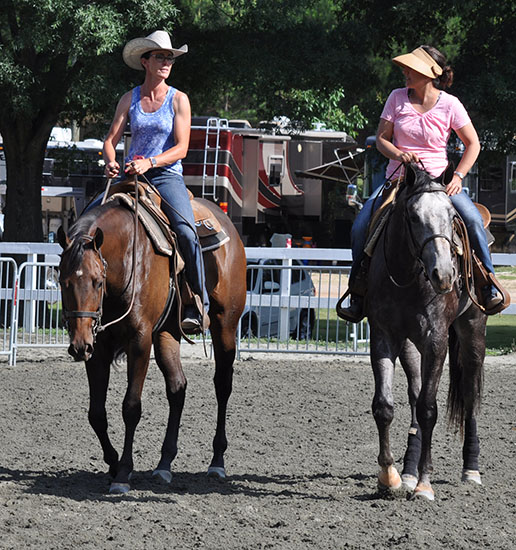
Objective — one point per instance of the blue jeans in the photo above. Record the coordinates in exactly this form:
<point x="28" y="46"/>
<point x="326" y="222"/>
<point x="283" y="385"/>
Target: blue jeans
<point x="462" y="203"/>
<point x="176" y="206"/>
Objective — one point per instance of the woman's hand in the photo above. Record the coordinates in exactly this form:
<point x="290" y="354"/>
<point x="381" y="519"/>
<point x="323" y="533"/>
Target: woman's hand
<point x="407" y="158"/>
<point x="137" y="166"/>
<point x="112" y="168"/>
<point x="455" y="186"/>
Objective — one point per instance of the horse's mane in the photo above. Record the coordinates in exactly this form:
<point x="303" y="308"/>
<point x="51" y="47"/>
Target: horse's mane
<point x="71" y="257"/>
<point x="423" y="183"/>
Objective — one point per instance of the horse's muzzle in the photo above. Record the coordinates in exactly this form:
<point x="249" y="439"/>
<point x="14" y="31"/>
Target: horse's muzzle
<point x="80" y="352"/>
<point x="441" y="282"/>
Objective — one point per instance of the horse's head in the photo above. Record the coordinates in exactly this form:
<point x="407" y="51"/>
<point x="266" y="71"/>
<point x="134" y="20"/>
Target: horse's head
<point x="82" y="274"/>
<point x="429" y="216"/>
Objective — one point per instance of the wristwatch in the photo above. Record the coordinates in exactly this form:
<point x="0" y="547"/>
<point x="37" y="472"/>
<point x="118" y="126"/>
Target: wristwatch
<point x="154" y="162"/>
<point x="460" y="174"/>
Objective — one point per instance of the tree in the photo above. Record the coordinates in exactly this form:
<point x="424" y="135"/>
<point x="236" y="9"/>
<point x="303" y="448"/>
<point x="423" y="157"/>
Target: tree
<point x="58" y="58"/>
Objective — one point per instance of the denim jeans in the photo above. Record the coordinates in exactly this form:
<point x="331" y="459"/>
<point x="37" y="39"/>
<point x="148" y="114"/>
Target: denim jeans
<point x="462" y="203"/>
<point x="176" y="206"/>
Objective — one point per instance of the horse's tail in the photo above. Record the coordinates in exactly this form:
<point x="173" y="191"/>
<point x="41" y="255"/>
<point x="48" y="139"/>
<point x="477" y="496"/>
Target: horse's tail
<point x="457" y="393"/>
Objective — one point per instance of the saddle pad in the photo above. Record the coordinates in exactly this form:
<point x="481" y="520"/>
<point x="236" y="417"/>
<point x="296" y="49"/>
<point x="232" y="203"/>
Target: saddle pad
<point x="159" y="233"/>
<point x="210" y="232"/>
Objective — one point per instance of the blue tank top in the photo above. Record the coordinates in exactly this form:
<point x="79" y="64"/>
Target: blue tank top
<point x="153" y="133"/>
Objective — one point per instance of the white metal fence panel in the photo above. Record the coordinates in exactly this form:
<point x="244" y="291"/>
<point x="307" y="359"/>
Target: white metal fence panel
<point x="290" y="307"/>
<point x="38" y="314"/>
<point x="8" y="285"/>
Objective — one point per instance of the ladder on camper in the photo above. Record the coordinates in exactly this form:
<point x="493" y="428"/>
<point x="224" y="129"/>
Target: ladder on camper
<point x="213" y="127"/>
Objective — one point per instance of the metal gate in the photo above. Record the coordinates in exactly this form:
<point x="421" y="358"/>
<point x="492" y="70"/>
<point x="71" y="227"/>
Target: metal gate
<point x="8" y="287"/>
<point x="37" y="318"/>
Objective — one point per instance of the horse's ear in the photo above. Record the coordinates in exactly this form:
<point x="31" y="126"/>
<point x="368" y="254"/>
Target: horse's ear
<point x="447" y="175"/>
<point x="410" y="174"/>
<point x="62" y="238"/>
<point x="98" y="238"/>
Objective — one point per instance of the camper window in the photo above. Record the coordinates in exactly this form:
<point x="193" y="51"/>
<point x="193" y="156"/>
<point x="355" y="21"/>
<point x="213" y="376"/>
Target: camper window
<point x="512" y="177"/>
<point x="276" y="164"/>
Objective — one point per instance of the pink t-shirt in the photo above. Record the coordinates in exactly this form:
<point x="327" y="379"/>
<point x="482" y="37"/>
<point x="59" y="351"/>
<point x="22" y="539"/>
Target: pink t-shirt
<point x="425" y="134"/>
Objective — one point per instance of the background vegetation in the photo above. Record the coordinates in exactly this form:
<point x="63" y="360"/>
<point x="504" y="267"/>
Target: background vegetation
<point x="308" y="60"/>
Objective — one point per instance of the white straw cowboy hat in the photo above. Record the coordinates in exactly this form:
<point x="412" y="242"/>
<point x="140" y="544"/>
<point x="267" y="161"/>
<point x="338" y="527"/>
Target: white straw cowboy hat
<point x="421" y="61"/>
<point x="158" y="40"/>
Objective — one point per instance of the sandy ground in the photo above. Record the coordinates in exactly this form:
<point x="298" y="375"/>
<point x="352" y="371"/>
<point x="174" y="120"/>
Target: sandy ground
<point x="301" y="463"/>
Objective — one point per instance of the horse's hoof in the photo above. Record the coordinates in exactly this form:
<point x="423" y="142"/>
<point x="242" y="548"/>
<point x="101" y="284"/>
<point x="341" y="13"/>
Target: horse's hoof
<point x="119" y="488"/>
<point x="163" y="475"/>
<point x="409" y="482"/>
<point x="389" y="480"/>
<point x="472" y="476"/>
<point x="216" y="472"/>
<point x="423" y="491"/>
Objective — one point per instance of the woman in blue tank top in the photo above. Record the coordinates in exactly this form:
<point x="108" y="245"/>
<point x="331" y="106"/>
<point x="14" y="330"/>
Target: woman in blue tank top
<point x="160" y="121"/>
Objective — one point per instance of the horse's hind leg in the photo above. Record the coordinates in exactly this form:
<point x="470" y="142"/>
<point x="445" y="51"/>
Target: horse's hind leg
<point x="98" y="369"/>
<point x="383" y="356"/>
<point x="166" y="349"/>
<point x="223" y="331"/>
<point x="466" y="374"/>
<point x="410" y="360"/>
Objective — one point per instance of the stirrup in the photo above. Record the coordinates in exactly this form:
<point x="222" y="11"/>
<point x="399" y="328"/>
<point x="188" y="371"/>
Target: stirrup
<point x="195" y="324"/>
<point x="354" y="313"/>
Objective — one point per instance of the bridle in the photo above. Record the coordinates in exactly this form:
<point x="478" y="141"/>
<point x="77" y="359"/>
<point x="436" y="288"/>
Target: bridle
<point x="97" y="326"/>
<point x="416" y="250"/>
<point x="95" y="315"/>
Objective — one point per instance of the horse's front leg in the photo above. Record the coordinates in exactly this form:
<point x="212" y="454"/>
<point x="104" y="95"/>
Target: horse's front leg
<point x="138" y="354"/>
<point x="431" y="369"/>
<point x="383" y="356"/>
<point x="410" y="360"/>
<point x="98" y="369"/>
<point x="166" y="349"/>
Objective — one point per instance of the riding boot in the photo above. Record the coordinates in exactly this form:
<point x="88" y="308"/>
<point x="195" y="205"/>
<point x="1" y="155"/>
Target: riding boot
<point x="492" y="298"/>
<point x="355" y="312"/>
<point x="194" y="322"/>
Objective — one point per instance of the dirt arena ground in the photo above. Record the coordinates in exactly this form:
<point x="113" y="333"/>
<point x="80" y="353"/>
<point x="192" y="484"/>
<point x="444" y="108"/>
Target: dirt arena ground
<point x="301" y="463"/>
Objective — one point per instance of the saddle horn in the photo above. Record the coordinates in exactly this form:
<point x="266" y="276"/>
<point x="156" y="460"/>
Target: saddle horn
<point x="445" y="178"/>
<point x="410" y="173"/>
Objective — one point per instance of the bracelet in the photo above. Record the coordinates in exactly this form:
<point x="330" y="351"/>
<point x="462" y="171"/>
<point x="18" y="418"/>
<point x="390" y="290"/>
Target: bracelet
<point x="460" y="174"/>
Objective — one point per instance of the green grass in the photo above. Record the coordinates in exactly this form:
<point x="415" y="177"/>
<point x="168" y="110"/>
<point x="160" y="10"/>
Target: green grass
<point x="501" y="334"/>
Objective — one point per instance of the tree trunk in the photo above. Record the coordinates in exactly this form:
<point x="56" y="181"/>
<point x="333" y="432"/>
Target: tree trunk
<point x="24" y="153"/>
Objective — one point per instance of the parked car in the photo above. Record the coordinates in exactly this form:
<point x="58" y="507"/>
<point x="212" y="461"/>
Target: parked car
<point x="264" y="279"/>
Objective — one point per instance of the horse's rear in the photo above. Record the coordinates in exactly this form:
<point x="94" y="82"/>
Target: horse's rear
<point x="110" y="281"/>
<point x="416" y="300"/>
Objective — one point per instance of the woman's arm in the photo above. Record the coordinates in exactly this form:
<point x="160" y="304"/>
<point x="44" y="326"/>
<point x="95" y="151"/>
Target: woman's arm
<point x="182" y="124"/>
<point x="115" y="133"/>
<point x="468" y="135"/>
<point x="387" y="148"/>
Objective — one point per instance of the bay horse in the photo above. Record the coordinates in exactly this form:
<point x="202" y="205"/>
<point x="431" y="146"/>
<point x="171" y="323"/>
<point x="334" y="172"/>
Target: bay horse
<point x="100" y="275"/>
<point x="418" y="310"/>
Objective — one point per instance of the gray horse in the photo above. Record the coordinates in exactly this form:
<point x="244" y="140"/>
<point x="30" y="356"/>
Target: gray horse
<point x="418" y="310"/>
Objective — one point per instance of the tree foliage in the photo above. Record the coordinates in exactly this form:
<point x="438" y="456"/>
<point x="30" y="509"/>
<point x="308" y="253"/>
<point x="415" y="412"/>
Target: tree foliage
<point x="308" y="60"/>
<point x="55" y="61"/>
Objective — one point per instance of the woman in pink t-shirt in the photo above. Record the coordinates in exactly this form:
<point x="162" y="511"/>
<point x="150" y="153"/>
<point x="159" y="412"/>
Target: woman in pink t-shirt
<point x="415" y="126"/>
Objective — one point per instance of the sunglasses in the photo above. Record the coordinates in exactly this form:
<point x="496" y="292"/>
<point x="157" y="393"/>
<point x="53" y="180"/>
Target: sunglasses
<point x="162" y="58"/>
